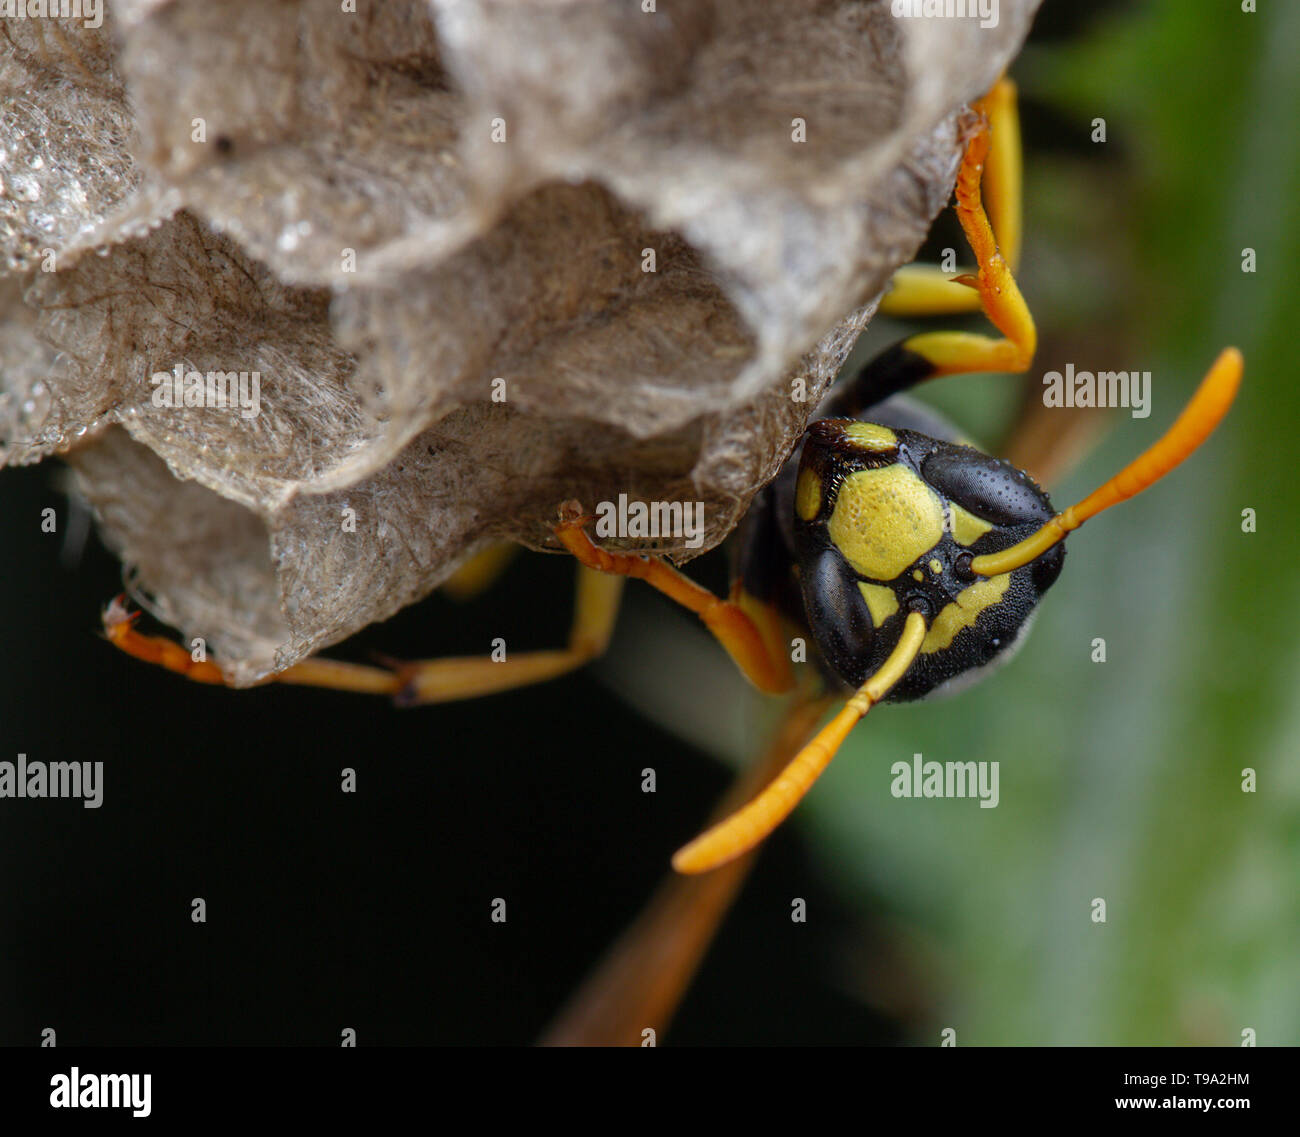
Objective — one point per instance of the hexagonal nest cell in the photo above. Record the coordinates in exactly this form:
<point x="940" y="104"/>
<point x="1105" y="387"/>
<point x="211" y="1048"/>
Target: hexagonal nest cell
<point x="484" y="256"/>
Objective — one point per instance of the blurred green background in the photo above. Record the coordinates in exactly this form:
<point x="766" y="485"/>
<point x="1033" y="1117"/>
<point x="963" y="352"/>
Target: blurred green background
<point x="1120" y="780"/>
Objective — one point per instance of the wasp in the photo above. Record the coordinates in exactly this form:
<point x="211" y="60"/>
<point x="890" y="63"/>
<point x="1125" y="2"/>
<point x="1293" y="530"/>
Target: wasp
<point x="912" y="561"/>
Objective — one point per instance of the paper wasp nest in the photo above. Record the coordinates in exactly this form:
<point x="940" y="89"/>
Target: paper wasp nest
<point x="427" y="226"/>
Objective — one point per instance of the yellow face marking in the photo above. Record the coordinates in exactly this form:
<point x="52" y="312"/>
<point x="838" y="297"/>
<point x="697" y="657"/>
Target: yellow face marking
<point x="935" y="566"/>
<point x="966" y="527"/>
<point x="917" y="574"/>
<point x="869" y="436"/>
<point x="807" y="495"/>
<point x="881" y="601"/>
<point x="884" y="520"/>
<point x="964" y="611"/>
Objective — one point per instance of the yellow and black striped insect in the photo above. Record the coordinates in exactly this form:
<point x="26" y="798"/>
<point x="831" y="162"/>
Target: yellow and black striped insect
<point x="912" y="561"/>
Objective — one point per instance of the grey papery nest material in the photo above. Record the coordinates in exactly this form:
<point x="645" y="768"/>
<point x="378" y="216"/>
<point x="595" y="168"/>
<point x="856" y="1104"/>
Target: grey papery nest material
<point x="383" y="212"/>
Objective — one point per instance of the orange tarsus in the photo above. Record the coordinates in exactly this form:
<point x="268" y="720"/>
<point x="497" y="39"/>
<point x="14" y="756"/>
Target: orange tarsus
<point x="116" y="613"/>
<point x="730" y="625"/>
<point x="119" y="627"/>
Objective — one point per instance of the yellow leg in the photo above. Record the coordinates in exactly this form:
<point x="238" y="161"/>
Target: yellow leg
<point x="480" y="572"/>
<point x="444" y="680"/>
<point x="926" y="290"/>
<point x="745" y="828"/>
<point x="119" y="627"/>
<point x="769" y="670"/>
<point x="412" y="682"/>
<point x="951" y="353"/>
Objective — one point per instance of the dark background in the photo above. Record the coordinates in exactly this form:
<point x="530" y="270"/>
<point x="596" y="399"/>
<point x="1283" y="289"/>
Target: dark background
<point x="371" y="909"/>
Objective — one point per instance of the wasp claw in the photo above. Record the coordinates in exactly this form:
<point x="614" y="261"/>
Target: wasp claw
<point x="572" y="515"/>
<point x="116" y="613"/>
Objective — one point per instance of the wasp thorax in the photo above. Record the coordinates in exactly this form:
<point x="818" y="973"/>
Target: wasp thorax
<point x="888" y="522"/>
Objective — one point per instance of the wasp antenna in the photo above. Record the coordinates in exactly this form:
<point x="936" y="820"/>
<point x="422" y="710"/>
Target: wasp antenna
<point x="749" y="825"/>
<point x="1191" y="428"/>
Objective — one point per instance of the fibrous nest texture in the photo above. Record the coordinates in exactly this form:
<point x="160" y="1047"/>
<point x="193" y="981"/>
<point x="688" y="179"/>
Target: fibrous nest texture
<point x="482" y="255"/>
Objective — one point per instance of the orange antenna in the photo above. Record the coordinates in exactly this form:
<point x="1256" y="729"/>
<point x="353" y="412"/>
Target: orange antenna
<point x="1199" y="418"/>
<point x="749" y="825"/>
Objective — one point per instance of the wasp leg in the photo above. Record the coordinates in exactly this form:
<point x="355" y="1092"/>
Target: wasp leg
<point x="753" y="646"/>
<point x="931" y="354"/>
<point x="642" y="979"/>
<point x="480" y="572"/>
<point x="742" y="830"/>
<point x="119" y="627"/>
<point x="415" y="681"/>
<point x="444" y="680"/>
<point x="952" y="353"/>
<point x="926" y="290"/>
